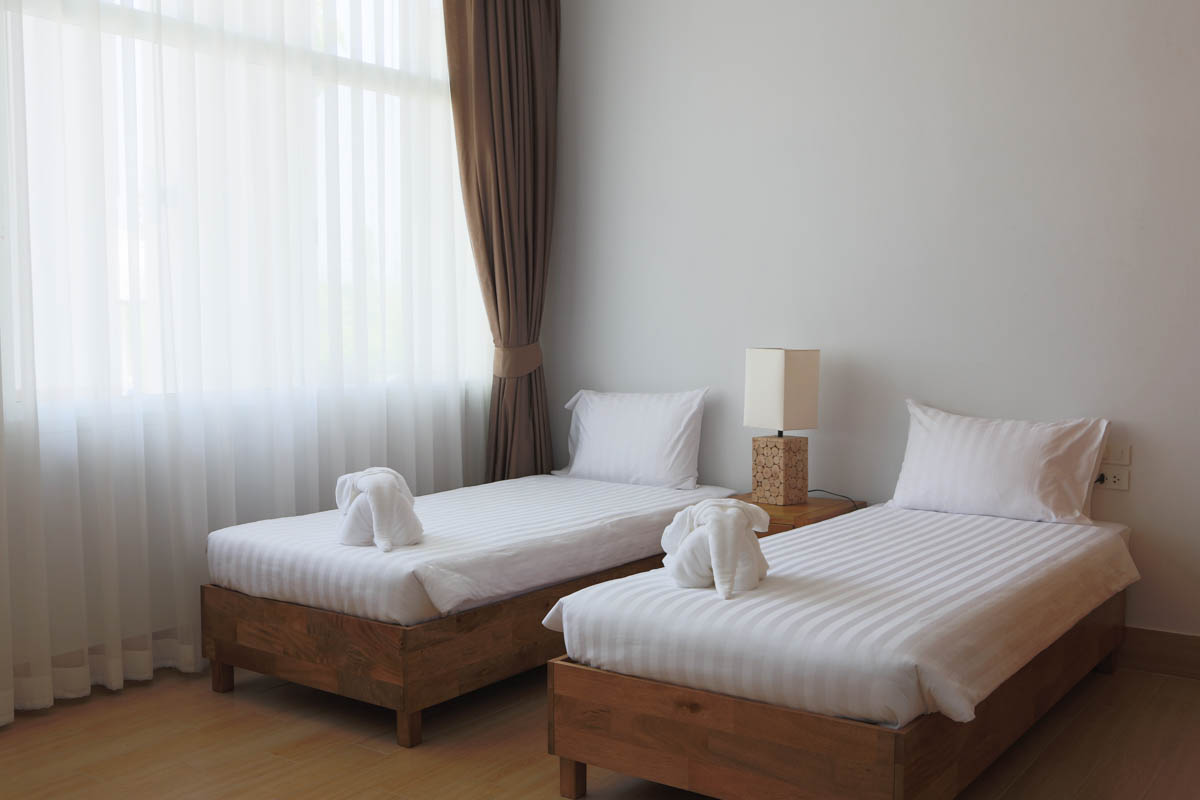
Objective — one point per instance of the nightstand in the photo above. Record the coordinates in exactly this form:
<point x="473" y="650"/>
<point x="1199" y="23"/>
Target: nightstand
<point x="817" y="509"/>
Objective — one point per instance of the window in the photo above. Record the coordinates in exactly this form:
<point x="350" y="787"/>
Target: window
<point x="234" y="198"/>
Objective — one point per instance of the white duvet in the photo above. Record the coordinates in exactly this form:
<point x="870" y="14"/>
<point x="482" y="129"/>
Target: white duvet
<point x="880" y="615"/>
<point x="481" y="544"/>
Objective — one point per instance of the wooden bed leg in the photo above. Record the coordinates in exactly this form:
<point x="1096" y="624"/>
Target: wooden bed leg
<point x="222" y="677"/>
<point x="572" y="778"/>
<point x="1108" y="664"/>
<point x="408" y="728"/>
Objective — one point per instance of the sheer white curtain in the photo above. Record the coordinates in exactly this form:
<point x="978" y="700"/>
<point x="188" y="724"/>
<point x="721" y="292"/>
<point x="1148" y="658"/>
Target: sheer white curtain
<point x="232" y="267"/>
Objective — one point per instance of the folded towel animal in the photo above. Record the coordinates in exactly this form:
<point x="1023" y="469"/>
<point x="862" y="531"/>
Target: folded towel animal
<point x="377" y="507"/>
<point x="713" y="543"/>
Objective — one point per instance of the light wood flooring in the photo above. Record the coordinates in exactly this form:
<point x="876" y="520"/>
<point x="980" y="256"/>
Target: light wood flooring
<point x="1127" y="735"/>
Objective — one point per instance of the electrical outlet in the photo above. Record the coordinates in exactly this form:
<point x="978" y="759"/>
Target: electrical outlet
<point x="1120" y="454"/>
<point x="1115" y="478"/>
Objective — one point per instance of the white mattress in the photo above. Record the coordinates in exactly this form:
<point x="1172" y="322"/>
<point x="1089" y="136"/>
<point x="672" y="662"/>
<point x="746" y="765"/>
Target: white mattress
<point x="482" y="544"/>
<point x="881" y="615"/>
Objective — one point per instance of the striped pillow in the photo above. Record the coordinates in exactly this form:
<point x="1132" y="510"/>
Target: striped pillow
<point x="648" y="439"/>
<point x="1042" y="471"/>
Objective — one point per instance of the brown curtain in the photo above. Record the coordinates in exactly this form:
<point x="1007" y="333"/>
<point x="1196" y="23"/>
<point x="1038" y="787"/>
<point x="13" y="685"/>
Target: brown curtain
<point x="503" y="58"/>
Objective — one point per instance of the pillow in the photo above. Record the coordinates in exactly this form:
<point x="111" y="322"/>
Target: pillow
<point x="1042" y="471"/>
<point x="649" y="439"/>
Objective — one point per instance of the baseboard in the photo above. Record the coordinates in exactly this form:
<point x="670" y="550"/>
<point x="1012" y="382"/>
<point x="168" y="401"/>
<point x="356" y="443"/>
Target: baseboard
<point x="1160" y="651"/>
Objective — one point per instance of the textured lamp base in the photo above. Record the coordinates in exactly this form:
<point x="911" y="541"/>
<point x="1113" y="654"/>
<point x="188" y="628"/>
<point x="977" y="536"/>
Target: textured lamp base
<point x="780" y="470"/>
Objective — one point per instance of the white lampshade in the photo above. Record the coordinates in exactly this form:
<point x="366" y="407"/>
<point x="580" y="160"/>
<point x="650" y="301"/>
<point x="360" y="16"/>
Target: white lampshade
<point x="781" y="388"/>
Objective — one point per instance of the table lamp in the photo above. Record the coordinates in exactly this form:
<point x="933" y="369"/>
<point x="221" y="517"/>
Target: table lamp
<point x="781" y="394"/>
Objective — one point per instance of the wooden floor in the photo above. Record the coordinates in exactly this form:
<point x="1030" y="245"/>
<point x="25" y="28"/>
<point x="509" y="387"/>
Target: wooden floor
<point x="1127" y="735"/>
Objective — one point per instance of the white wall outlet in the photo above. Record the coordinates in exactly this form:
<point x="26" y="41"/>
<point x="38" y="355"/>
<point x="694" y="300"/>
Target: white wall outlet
<point x="1115" y="478"/>
<point x="1121" y="454"/>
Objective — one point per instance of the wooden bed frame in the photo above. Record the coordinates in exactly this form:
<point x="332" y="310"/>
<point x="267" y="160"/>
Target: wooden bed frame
<point x="732" y="748"/>
<point x="403" y="667"/>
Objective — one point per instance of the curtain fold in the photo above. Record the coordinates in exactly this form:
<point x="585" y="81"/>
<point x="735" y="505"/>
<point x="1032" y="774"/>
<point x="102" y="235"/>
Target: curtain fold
<point x="233" y="266"/>
<point x="503" y="61"/>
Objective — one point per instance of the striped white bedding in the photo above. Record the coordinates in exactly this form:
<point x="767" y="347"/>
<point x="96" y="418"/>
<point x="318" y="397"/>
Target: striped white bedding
<point x="482" y="544"/>
<point x="881" y="615"/>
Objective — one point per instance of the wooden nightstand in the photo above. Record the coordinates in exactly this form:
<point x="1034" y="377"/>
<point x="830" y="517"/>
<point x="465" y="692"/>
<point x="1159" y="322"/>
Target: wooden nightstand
<point x="817" y="509"/>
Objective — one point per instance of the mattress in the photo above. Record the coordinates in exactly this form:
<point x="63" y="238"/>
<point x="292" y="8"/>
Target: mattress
<point x="881" y="615"/>
<point x="482" y="544"/>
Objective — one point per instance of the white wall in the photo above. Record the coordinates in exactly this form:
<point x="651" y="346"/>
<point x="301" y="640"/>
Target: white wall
<point x="991" y="207"/>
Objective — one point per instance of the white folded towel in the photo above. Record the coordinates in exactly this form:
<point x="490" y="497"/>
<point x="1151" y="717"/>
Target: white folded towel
<point x="377" y="508"/>
<point x="346" y="489"/>
<point x="713" y="543"/>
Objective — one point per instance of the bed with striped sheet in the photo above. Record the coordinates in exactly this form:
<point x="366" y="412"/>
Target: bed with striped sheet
<point x="881" y="615"/>
<point x="482" y="544"/>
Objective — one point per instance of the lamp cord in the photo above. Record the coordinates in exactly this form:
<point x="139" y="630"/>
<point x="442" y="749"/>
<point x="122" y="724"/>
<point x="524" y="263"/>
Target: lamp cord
<point x="853" y="502"/>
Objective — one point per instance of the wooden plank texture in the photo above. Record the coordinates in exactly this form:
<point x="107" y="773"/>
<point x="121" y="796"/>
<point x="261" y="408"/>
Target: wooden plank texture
<point x="333" y="652"/>
<point x="785" y="518"/>
<point x="402" y="667"/>
<point x="1128" y="736"/>
<point x="711" y="743"/>
<point x="733" y="748"/>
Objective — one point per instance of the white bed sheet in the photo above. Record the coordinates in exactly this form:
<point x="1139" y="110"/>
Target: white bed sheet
<point x="880" y="615"/>
<point x="482" y="544"/>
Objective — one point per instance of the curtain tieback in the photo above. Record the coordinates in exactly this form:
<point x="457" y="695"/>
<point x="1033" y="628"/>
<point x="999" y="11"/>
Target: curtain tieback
<point x="513" y="362"/>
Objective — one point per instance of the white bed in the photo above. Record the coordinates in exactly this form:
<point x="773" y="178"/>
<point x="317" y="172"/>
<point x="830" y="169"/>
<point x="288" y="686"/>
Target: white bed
<point x="482" y="544"/>
<point x="881" y="615"/>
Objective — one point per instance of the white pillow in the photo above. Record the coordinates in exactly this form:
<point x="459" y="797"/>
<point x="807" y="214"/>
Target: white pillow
<point x="1040" y="471"/>
<point x="649" y="439"/>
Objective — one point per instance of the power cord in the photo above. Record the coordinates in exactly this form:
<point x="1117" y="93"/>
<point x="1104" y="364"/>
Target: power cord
<point x="853" y="502"/>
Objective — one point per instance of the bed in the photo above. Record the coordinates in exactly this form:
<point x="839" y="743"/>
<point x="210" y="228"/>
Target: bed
<point x="419" y="625"/>
<point x="890" y="653"/>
